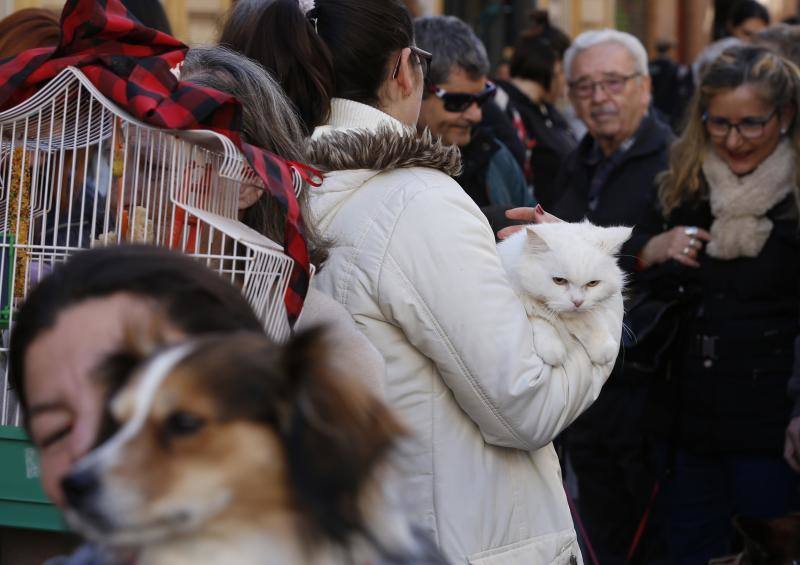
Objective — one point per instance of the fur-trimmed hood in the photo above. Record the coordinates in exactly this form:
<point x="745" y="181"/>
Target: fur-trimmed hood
<point x="350" y="157"/>
<point x="382" y="149"/>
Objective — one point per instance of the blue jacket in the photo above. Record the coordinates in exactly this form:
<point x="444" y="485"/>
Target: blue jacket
<point x="492" y="177"/>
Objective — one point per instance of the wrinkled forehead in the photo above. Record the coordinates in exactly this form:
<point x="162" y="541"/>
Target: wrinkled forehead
<point x="609" y="57"/>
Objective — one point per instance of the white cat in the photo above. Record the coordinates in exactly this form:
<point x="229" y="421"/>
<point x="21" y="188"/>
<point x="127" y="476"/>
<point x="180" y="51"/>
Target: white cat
<point x="565" y="274"/>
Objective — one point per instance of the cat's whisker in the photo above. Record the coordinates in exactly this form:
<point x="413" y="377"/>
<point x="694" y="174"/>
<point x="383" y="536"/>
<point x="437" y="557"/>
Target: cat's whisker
<point x="628" y="331"/>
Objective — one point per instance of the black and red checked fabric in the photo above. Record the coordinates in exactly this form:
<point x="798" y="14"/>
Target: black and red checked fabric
<point x="130" y="64"/>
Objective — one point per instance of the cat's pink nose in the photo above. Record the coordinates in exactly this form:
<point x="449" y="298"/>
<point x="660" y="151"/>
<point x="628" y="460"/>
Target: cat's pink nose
<point x="577" y="302"/>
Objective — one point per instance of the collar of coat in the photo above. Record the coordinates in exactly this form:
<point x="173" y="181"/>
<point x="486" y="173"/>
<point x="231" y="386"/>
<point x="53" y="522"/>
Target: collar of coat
<point x="383" y="148"/>
<point x="651" y="137"/>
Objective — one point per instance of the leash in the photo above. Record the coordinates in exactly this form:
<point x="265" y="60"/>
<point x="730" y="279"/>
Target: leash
<point x="575" y="516"/>
<point x="643" y="522"/>
<point x="640" y="529"/>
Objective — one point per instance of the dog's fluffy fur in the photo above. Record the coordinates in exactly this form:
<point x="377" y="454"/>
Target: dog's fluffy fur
<point x="233" y="450"/>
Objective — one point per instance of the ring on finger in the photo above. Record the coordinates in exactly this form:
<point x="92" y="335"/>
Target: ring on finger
<point x="693" y="242"/>
<point x="691" y="231"/>
<point x="686" y="250"/>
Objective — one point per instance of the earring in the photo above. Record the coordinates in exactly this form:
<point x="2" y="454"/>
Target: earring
<point x="783" y="131"/>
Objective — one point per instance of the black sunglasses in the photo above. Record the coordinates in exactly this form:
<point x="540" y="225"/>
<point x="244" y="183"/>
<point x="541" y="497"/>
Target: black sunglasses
<point x="460" y="101"/>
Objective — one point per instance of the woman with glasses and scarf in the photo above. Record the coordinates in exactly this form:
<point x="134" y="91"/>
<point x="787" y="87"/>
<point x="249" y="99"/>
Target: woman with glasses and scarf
<point x="731" y="250"/>
<point x="414" y="261"/>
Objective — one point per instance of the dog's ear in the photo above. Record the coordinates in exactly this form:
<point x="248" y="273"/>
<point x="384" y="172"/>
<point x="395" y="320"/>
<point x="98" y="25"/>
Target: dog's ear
<point x="337" y="432"/>
<point x="146" y="334"/>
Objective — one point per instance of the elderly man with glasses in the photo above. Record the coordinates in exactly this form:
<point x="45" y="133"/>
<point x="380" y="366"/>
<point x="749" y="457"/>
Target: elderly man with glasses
<point x="610" y="179"/>
<point x="456" y="101"/>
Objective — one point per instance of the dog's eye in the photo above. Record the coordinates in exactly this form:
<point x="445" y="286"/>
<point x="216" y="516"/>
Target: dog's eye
<point x="560" y="281"/>
<point x="183" y="424"/>
<point x="592" y="283"/>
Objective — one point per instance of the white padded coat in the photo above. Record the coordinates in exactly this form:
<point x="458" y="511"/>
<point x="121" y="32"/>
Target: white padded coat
<point x="415" y="264"/>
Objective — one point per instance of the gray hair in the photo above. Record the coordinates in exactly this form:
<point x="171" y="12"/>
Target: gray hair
<point x="269" y="121"/>
<point x="452" y="43"/>
<point x="596" y="37"/>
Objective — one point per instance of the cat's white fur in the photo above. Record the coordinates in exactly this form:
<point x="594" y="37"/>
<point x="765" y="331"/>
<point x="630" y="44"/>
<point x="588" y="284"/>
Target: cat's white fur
<point x="566" y="274"/>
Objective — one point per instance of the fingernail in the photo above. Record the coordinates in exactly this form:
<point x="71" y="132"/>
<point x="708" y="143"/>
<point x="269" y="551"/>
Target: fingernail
<point x="539" y="210"/>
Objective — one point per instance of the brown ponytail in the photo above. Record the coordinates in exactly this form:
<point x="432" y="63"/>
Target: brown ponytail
<point x="342" y="48"/>
<point x="280" y="37"/>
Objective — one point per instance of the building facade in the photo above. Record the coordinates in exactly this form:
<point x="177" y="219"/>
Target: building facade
<point x="687" y="23"/>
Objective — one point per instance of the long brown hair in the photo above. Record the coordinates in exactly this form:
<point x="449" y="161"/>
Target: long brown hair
<point x="341" y="48"/>
<point x="26" y="29"/>
<point x="776" y="79"/>
<point x="277" y="35"/>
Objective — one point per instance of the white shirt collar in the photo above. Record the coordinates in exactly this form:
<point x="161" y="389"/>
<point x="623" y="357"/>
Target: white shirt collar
<point x="347" y="114"/>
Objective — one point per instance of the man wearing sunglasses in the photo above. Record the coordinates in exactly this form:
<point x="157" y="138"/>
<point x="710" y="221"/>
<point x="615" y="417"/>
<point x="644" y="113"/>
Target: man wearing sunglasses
<point x="456" y="93"/>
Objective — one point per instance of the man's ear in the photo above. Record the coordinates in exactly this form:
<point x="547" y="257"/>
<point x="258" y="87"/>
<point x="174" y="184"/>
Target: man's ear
<point x="338" y="432"/>
<point x="647" y="88"/>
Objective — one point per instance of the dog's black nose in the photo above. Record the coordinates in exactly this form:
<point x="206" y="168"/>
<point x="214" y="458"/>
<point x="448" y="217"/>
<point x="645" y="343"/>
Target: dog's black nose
<point x="79" y="487"/>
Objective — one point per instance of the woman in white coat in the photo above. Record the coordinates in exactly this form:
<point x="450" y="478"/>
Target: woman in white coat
<point x="414" y="262"/>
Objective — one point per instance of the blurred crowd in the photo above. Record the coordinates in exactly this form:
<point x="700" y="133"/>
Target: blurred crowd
<point x="699" y="420"/>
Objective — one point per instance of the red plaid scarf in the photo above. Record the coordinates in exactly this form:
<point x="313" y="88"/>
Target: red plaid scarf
<point x="130" y="64"/>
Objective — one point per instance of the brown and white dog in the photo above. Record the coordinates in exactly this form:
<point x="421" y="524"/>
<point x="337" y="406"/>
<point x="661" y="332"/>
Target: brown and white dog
<point x="234" y="450"/>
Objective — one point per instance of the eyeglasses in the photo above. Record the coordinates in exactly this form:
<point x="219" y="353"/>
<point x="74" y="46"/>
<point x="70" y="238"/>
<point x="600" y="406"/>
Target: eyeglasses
<point x="612" y="84"/>
<point x="460" y="101"/>
<point x="423" y="57"/>
<point x="748" y="128"/>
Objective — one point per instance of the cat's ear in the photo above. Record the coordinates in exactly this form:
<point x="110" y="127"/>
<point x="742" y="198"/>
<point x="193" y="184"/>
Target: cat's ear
<point x="610" y="240"/>
<point x="534" y="243"/>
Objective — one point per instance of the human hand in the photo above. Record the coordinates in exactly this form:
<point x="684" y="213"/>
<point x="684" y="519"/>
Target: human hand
<point x="681" y="243"/>
<point x="249" y="195"/>
<point x="791" y="447"/>
<point x="529" y="215"/>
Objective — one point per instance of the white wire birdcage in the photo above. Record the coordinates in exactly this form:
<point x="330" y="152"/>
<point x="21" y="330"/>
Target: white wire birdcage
<point x="77" y="172"/>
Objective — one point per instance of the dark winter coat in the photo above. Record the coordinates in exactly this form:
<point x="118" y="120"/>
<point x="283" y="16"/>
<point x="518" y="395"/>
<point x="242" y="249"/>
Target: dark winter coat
<point x="492" y="178"/>
<point x="726" y="389"/>
<point x="672" y="88"/>
<point x="794" y="381"/>
<point x="629" y="192"/>
<point x="500" y="125"/>
<point x="549" y="140"/>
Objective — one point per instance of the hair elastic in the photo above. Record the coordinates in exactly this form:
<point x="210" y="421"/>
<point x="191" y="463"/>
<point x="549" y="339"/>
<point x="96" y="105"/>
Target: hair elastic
<point x="307" y="6"/>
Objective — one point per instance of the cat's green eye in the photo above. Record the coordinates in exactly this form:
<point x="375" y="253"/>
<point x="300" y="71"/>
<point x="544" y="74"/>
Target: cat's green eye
<point x="592" y="283"/>
<point x="559" y="281"/>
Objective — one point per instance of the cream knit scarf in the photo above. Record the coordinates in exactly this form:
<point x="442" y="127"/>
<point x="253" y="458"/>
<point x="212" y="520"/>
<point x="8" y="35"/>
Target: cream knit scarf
<point x="740" y="204"/>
